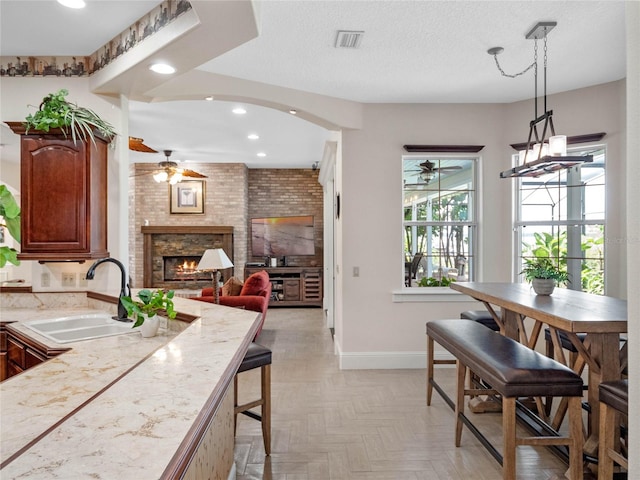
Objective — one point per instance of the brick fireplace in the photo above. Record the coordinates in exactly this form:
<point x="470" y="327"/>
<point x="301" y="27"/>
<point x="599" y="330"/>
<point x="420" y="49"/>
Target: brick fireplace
<point x="171" y="254"/>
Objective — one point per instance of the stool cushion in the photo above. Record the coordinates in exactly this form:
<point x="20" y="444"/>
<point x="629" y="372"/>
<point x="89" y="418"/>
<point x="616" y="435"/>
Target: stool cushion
<point x="481" y="316"/>
<point x="616" y="395"/>
<point x="257" y="356"/>
<point x="564" y="340"/>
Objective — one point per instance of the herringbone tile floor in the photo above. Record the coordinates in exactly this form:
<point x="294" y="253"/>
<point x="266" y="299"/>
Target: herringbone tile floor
<point x="331" y="424"/>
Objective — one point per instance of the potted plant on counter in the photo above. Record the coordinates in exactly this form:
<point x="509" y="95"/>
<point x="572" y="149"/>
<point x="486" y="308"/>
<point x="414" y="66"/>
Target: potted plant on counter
<point x="145" y="310"/>
<point x="543" y="275"/>
<point x="10" y="219"/>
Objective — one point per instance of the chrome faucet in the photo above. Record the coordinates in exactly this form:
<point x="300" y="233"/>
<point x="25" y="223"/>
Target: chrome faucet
<point x="124" y="287"/>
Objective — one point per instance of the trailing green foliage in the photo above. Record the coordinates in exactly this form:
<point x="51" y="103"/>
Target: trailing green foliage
<point x="150" y="303"/>
<point x="434" y="282"/>
<point x="10" y="213"/>
<point x="56" y="112"/>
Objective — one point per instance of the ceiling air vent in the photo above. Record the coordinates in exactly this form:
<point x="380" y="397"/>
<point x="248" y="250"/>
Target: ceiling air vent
<point x="348" y="38"/>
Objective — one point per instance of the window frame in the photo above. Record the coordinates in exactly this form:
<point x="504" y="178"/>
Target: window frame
<point x="473" y="212"/>
<point x="564" y="223"/>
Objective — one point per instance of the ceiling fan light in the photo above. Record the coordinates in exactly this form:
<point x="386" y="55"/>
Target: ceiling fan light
<point x="73" y="3"/>
<point x="161" y="177"/>
<point x="175" y="178"/>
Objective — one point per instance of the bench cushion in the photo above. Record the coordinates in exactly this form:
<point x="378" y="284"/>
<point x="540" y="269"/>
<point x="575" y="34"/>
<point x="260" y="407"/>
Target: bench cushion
<point x="511" y="368"/>
<point x="615" y="394"/>
<point x="483" y="317"/>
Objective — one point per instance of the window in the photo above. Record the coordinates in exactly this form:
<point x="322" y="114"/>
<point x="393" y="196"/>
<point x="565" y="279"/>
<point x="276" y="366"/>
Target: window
<point x="562" y="215"/>
<point x="439" y="202"/>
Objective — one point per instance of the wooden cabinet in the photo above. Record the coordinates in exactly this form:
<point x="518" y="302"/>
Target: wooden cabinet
<point x="293" y="286"/>
<point x="63" y="193"/>
<point x="20" y="352"/>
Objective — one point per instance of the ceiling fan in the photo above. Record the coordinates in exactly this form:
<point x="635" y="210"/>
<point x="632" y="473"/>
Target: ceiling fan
<point x="428" y="171"/>
<point x="169" y="171"/>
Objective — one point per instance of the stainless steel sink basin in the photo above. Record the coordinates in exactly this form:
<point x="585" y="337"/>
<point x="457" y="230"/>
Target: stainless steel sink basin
<point x="79" y="327"/>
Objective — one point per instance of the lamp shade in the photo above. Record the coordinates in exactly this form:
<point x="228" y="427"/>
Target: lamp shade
<point x="214" y="259"/>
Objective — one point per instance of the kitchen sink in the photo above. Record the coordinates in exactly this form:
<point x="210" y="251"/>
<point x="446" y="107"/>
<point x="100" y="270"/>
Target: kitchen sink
<point x="79" y="327"/>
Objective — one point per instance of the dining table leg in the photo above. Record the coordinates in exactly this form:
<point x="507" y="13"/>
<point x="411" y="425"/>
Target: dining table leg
<point x="605" y="356"/>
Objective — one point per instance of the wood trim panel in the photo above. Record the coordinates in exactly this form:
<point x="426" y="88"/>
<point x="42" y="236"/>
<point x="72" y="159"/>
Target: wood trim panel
<point x="575" y="139"/>
<point x="443" y="148"/>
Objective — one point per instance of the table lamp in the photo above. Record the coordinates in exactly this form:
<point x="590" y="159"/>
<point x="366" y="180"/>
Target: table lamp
<point x="213" y="260"/>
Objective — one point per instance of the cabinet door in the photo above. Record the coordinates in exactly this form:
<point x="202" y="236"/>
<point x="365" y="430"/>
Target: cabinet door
<point x="54" y="196"/>
<point x="291" y="290"/>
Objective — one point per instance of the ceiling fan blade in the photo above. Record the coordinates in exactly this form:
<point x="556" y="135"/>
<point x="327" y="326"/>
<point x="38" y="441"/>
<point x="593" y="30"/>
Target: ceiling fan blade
<point x="136" y="145"/>
<point x="192" y="174"/>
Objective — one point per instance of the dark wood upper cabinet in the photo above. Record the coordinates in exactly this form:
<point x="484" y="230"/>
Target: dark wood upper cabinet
<point x="63" y="193"/>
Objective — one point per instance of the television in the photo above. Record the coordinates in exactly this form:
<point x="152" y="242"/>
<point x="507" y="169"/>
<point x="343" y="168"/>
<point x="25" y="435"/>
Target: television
<point x="282" y="236"/>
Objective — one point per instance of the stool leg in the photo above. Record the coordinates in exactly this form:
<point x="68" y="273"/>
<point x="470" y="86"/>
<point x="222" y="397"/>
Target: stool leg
<point x="429" y="369"/>
<point x="577" y="438"/>
<point x="266" y="408"/>
<point x="235" y="402"/>
<point x="607" y="433"/>
<point x="509" y="438"/>
<point x="462" y="374"/>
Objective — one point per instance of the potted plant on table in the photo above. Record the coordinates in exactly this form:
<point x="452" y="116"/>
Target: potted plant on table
<point x="146" y="309"/>
<point x="544" y="274"/>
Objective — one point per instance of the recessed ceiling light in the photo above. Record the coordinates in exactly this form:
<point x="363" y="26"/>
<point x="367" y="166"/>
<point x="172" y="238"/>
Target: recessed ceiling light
<point x="293" y="111"/>
<point x="73" y="3"/>
<point x="253" y="136"/>
<point x="239" y="111"/>
<point x="262" y="154"/>
<point x="162" y="68"/>
<point x="209" y="98"/>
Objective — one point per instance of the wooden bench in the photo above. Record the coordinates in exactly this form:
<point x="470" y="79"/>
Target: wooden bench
<point x="512" y="370"/>
<point x="614" y="401"/>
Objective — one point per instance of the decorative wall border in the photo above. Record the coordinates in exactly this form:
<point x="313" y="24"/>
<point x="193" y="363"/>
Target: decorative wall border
<point x="83" y="66"/>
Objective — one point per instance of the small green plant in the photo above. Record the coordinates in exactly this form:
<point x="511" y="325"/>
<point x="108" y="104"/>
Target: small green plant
<point x="56" y="112"/>
<point x="10" y="213"/>
<point x="434" y="282"/>
<point x="543" y="267"/>
<point x="150" y="303"/>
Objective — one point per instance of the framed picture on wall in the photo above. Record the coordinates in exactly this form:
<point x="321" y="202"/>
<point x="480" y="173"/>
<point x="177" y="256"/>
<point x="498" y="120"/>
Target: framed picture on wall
<point x="187" y="197"/>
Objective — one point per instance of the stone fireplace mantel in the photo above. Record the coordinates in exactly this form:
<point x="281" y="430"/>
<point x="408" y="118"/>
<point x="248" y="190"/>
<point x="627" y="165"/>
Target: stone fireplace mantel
<point x="162" y="240"/>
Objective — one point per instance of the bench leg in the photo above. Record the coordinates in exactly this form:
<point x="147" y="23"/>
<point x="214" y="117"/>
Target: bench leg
<point x="266" y="408"/>
<point x="429" y="369"/>
<point x="462" y="375"/>
<point x="607" y="433"/>
<point x="576" y="438"/>
<point x="509" y="438"/>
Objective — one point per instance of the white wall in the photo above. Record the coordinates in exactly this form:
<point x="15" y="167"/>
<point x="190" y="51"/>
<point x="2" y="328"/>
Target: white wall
<point x="16" y="96"/>
<point x="378" y="332"/>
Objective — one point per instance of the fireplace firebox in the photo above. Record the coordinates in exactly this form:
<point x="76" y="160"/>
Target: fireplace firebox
<point x="183" y="268"/>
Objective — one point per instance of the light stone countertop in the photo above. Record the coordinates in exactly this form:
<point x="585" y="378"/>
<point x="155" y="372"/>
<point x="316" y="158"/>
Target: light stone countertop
<point x="124" y="403"/>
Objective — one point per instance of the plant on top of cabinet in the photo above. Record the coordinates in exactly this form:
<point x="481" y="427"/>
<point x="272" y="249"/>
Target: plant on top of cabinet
<point x="56" y="112"/>
<point x="10" y="213"/>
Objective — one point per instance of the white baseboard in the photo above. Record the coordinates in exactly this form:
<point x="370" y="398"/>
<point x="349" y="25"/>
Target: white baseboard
<point x="386" y="360"/>
<point x="233" y="472"/>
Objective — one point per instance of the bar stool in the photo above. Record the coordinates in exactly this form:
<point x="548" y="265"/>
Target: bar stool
<point x="257" y="356"/>
<point x="483" y="317"/>
<point x="614" y="401"/>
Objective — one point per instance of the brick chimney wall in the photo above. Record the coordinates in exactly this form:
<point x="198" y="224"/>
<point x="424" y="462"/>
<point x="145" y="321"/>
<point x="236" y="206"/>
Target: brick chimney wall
<point x="233" y="195"/>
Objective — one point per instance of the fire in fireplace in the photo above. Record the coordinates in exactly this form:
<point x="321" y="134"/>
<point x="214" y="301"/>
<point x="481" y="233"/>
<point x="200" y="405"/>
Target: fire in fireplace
<point x="183" y="268"/>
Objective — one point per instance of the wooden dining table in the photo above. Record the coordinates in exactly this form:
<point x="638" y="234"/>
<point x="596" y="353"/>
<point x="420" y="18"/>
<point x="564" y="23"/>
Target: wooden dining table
<point x="601" y="318"/>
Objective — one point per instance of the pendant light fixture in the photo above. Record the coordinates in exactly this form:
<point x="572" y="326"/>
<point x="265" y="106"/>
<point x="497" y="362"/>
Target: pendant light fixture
<point x="545" y="151"/>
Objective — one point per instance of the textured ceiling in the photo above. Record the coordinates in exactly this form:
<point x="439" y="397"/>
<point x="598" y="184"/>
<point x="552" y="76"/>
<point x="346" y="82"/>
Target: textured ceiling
<point x="412" y="52"/>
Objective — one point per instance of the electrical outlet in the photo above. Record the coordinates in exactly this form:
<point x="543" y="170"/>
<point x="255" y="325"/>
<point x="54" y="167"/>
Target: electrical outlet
<point x="83" y="280"/>
<point x="45" y="279"/>
<point x="68" y="279"/>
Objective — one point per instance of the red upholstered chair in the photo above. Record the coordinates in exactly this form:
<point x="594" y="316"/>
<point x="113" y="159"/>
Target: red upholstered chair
<point x="254" y="296"/>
